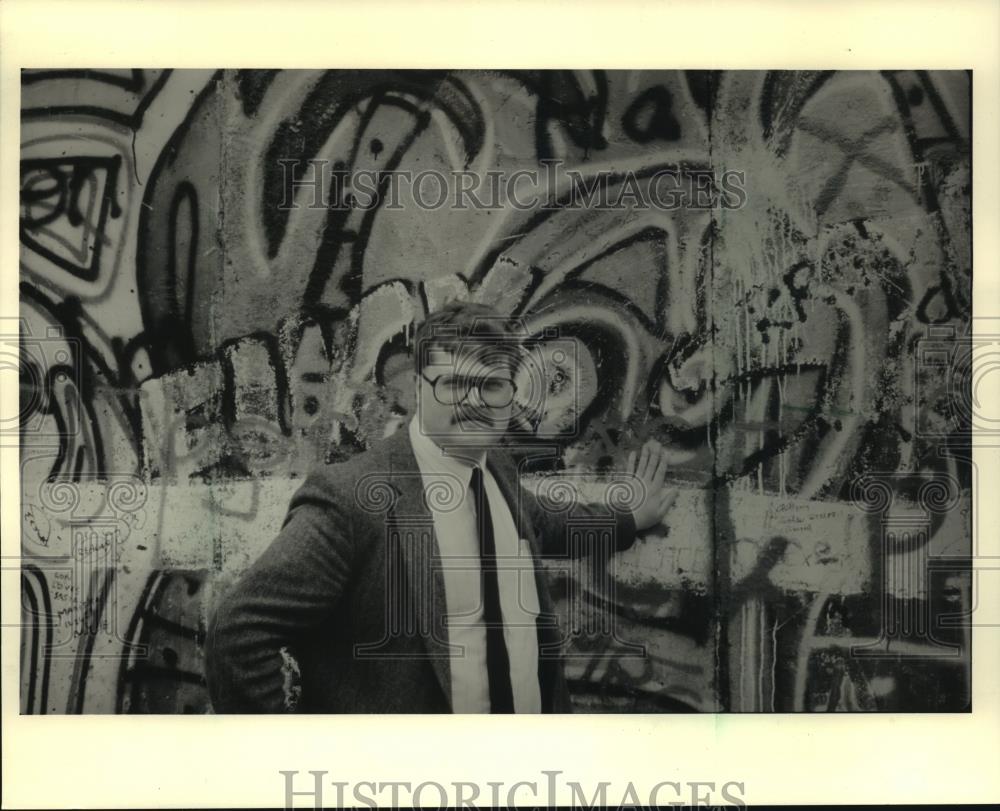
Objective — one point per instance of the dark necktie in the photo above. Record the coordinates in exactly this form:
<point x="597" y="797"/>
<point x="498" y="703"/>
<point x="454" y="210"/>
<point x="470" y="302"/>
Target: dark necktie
<point x="497" y="658"/>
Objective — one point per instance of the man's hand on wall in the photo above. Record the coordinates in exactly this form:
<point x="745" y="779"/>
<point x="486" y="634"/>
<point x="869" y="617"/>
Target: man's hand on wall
<point x="650" y="466"/>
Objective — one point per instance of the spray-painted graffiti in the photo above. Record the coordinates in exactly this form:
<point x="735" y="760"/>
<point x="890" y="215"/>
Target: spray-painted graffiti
<point x="182" y="327"/>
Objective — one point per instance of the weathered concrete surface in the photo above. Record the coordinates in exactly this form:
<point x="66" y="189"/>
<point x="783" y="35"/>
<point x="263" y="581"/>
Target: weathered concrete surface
<point x="212" y="348"/>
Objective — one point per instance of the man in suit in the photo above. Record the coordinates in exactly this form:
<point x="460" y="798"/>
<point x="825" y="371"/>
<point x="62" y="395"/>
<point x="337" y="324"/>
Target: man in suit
<point x="408" y="578"/>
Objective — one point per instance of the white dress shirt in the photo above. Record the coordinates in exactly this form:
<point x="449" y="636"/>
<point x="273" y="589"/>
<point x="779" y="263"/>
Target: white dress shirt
<point x="455" y="528"/>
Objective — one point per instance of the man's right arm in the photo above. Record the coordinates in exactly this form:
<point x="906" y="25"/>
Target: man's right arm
<point x="294" y="585"/>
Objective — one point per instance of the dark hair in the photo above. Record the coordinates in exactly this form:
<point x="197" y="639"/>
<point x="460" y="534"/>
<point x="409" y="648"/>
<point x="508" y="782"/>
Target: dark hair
<point x="463" y="325"/>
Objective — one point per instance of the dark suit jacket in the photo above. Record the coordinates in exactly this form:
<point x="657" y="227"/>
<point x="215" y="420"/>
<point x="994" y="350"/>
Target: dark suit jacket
<point x="350" y="591"/>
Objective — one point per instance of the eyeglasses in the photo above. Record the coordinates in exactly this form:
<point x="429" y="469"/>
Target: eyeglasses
<point x="449" y="389"/>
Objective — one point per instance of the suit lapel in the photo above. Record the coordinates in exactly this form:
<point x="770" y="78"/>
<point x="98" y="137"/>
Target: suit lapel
<point x="549" y="641"/>
<point x="506" y="478"/>
<point x="412" y="528"/>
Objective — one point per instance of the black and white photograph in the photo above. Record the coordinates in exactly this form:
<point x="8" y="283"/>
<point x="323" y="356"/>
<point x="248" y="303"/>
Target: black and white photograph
<point x="607" y="396"/>
<point x="495" y="391"/>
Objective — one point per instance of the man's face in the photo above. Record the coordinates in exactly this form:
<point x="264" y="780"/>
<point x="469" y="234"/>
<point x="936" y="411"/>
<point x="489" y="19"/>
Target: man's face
<point x="464" y="398"/>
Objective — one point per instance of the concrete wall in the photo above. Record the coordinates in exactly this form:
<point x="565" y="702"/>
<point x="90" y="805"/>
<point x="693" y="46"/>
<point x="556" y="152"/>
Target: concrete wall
<point x="190" y="350"/>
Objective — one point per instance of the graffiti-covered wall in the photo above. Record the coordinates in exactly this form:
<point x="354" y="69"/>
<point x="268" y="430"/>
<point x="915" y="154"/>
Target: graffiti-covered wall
<point x="196" y="334"/>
